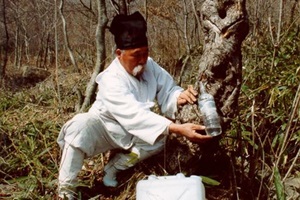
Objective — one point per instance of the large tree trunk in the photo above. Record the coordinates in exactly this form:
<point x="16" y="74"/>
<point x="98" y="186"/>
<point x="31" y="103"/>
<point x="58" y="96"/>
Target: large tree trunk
<point x="225" y="26"/>
<point x="100" y="62"/>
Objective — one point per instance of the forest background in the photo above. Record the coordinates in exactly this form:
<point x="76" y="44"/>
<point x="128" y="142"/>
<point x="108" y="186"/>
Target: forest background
<point x="48" y="55"/>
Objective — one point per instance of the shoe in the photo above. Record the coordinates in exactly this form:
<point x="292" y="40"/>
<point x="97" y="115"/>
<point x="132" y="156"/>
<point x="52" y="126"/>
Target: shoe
<point x="110" y="176"/>
<point x="66" y="193"/>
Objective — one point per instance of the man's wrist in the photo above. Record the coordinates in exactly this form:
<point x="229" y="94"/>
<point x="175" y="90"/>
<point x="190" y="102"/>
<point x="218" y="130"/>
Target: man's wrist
<point x="174" y="128"/>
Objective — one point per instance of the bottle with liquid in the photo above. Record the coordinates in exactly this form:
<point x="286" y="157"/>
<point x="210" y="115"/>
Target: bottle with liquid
<point x="209" y="112"/>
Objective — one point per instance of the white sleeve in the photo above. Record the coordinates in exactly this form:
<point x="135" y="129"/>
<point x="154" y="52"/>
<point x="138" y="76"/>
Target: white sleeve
<point x="134" y="116"/>
<point x="168" y="92"/>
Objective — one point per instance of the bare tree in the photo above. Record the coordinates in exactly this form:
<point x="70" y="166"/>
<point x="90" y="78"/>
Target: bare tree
<point x="121" y="7"/>
<point x="4" y="48"/>
<point x="56" y="57"/>
<point x="101" y="53"/>
<point x="293" y="10"/>
<point x="65" y="31"/>
<point x="18" y="48"/>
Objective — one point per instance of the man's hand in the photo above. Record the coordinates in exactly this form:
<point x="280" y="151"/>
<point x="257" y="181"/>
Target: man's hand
<point x="190" y="131"/>
<point x="189" y="95"/>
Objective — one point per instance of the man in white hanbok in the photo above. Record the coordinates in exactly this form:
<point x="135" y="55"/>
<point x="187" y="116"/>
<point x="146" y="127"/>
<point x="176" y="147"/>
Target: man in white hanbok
<point x="121" y="116"/>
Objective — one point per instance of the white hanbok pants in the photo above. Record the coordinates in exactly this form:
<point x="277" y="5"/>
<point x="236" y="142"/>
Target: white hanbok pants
<point x="85" y="136"/>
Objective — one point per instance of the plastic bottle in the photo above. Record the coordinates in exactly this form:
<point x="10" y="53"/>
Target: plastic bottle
<point x="209" y="112"/>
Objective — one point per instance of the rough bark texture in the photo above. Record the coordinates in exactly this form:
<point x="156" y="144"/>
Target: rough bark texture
<point x="225" y="26"/>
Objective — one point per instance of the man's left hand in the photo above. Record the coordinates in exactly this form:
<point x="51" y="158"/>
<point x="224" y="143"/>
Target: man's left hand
<point x="187" y="96"/>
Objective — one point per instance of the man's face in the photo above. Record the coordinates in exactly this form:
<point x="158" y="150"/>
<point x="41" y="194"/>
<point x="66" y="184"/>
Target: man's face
<point x="133" y="60"/>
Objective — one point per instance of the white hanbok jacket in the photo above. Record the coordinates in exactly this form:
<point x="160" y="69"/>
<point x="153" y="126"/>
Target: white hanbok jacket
<point x="124" y="102"/>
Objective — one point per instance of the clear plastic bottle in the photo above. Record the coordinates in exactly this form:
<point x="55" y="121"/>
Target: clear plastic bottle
<point x="209" y="112"/>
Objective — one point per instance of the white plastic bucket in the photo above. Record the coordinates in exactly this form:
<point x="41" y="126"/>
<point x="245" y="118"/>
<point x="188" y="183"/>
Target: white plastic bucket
<point x="177" y="187"/>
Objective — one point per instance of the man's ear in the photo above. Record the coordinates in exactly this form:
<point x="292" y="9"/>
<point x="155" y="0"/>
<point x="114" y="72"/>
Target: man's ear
<point x="118" y="52"/>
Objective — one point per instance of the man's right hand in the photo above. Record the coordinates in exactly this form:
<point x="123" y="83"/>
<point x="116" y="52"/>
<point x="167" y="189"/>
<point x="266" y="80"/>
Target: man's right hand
<point x="190" y="131"/>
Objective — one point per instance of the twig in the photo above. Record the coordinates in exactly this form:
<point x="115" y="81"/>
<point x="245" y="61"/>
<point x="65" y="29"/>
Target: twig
<point x="234" y="178"/>
<point x="292" y="165"/>
<point x="270" y="29"/>
<point x="286" y="135"/>
<point x="254" y="132"/>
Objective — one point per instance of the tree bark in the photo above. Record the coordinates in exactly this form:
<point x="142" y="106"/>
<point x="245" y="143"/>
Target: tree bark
<point x="17" y="57"/>
<point x="225" y="26"/>
<point x="101" y="53"/>
<point x="120" y="7"/>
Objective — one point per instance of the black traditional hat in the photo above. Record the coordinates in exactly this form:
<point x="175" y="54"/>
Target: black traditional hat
<point x="129" y="31"/>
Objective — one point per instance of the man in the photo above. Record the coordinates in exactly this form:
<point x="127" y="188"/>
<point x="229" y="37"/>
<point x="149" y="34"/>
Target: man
<point x="121" y="116"/>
